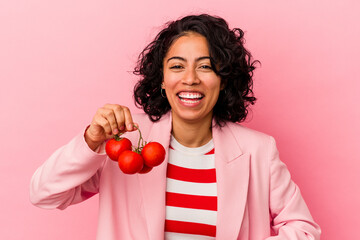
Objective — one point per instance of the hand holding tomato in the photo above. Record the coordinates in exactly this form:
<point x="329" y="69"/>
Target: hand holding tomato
<point x="109" y="120"/>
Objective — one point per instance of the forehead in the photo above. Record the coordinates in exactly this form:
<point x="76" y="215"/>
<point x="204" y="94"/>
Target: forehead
<point x="189" y="44"/>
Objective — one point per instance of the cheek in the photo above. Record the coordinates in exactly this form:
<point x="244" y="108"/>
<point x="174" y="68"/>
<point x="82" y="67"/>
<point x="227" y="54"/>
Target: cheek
<point x="213" y="82"/>
<point x="170" y="79"/>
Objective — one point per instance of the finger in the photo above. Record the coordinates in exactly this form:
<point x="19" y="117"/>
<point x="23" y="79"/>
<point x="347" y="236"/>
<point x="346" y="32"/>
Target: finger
<point x="120" y="117"/>
<point x="123" y="117"/>
<point x="102" y="122"/>
<point x="109" y="115"/>
<point x="128" y="120"/>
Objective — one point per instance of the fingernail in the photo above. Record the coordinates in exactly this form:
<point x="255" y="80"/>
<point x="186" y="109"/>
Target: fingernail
<point x="115" y="131"/>
<point x="122" y="128"/>
<point x="130" y="126"/>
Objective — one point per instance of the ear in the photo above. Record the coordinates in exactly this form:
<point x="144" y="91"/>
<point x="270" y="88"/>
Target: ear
<point x="222" y="85"/>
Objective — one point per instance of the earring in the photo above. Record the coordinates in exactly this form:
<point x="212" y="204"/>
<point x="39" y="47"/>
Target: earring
<point x="162" y="90"/>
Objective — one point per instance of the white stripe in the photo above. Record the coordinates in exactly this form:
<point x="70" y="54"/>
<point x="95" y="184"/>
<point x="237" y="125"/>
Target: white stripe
<point x="182" y="236"/>
<point x="199" y="189"/>
<point x="189" y="150"/>
<point x="191" y="215"/>
<point x="198" y="162"/>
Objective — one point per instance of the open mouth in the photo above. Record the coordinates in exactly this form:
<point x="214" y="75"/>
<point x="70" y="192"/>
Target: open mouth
<point x="190" y="97"/>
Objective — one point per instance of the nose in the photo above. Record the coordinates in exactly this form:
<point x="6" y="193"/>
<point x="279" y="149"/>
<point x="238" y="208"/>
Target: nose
<point x="191" y="77"/>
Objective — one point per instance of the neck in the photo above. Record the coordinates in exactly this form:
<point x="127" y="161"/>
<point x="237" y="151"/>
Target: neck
<point x="192" y="134"/>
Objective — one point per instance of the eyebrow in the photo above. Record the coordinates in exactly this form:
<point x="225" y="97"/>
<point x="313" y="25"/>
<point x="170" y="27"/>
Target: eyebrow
<point x="183" y="59"/>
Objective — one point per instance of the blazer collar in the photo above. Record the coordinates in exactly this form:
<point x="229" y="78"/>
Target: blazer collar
<point x="232" y="172"/>
<point x="232" y="176"/>
<point x="153" y="184"/>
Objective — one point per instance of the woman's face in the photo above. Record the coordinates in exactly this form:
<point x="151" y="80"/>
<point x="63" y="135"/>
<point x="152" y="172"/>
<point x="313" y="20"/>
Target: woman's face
<point x="192" y="87"/>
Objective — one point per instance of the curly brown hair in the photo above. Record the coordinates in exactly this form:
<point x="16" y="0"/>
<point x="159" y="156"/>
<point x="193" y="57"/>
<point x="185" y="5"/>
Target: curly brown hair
<point x="233" y="64"/>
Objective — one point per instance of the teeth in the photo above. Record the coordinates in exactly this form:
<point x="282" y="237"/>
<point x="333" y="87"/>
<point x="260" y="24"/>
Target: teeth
<point x="190" y="101"/>
<point x="190" y="95"/>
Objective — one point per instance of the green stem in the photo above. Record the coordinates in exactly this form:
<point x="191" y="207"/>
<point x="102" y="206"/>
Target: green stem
<point x="139" y="147"/>
<point x="117" y="137"/>
<point x="140" y="138"/>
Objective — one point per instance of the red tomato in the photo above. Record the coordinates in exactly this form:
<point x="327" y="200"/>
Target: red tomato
<point x="153" y="154"/>
<point x="145" y="169"/>
<point x="114" y="147"/>
<point x="130" y="162"/>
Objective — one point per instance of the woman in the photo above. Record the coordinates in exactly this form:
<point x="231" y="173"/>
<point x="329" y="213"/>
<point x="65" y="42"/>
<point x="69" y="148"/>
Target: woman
<point x="220" y="180"/>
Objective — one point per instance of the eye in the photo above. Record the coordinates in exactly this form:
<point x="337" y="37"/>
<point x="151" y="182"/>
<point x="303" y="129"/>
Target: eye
<point x="206" y="67"/>
<point x="176" y="67"/>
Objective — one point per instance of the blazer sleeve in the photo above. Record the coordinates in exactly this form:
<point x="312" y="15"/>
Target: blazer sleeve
<point x="71" y="175"/>
<point x="291" y="219"/>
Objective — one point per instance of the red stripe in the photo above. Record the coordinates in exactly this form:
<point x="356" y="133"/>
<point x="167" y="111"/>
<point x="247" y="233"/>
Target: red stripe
<point x="211" y="152"/>
<point x="171" y="147"/>
<point x="191" y="201"/>
<point x="191" y="175"/>
<point x="190" y="228"/>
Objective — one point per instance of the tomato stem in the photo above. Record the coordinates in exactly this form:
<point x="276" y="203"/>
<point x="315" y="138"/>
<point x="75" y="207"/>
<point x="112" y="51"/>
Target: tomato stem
<point x="139" y="147"/>
<point x="117" y="137"/>
<point x="140" y="138"/>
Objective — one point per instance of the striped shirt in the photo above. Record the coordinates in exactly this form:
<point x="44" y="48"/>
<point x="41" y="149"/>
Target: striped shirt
<point x="191" y="194"/>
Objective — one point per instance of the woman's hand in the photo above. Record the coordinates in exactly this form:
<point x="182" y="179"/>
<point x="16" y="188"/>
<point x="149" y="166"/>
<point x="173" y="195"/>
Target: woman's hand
<point x="109" y="120"/>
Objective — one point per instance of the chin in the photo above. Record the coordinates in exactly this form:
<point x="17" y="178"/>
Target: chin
<point x="192" y="117"/>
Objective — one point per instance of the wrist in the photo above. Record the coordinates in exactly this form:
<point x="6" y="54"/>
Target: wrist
<point x="93" y="145"/>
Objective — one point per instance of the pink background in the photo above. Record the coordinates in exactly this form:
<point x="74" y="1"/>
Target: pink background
<point x="61" y="60"/>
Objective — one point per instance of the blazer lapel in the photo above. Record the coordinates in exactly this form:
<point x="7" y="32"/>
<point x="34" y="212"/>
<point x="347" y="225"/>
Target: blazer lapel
<point x="153" y="184"/>
<point x="232" y="173"/>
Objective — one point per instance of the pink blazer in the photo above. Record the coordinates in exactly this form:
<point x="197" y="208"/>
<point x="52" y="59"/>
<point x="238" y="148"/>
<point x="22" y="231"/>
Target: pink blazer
<point x="257" y="199"/>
